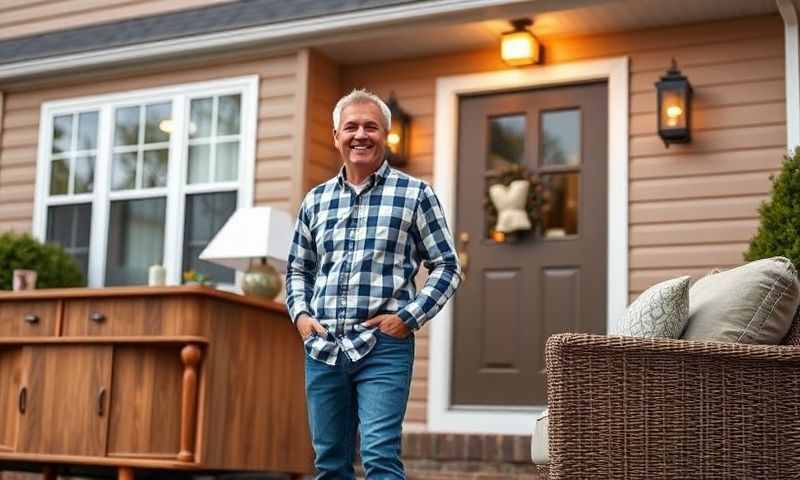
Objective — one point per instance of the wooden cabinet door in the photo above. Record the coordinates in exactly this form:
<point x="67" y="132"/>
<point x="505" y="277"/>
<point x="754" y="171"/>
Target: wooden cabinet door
<point x="10" y="380"/>
<point x="66" y="405"/>
<point x="145" y="412"/>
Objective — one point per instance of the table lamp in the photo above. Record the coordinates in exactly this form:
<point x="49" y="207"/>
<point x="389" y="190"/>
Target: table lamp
<point x="247" y="240"/>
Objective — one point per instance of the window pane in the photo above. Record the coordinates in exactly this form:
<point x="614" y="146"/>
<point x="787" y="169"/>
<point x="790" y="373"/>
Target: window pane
<point x="123" y="171"/>
<point x="206" y="213"/>
<point x="87" y="131"/>
<point x="200" y="126"/>
<point x="561" y="138"/>
<point x="561" y="210"/>
<point x="228" y="115"/>
<point x="154" y="116"/>
<point x="199" y="159"/>
<point x="84" y="174"/>
<point x="62" y="133"/>
<point x="155" y="168"/>
<point x="70" y="227"/>
<point x="126" y="126"/>
<point x="59" y="177"/>
<point x="135" y="240"/>
<point x="506" y="141"/>
<point x="227" y="166"/>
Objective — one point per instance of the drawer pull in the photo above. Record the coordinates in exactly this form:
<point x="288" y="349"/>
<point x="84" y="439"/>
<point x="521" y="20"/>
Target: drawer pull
<point x="97" y="317"/>
<point x="31" y="319"/>
<point x="101" y="401"/>
<point x="22" y="401"/>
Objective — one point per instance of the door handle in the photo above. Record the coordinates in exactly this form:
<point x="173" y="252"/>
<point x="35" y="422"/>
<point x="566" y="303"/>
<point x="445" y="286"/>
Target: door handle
<point x="463" y="256"/>
<point x="101" y="401"/>
<point x="22" y="400"/>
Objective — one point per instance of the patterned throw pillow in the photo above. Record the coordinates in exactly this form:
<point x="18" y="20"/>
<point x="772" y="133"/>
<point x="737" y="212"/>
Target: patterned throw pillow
<point x="661" y="311"/>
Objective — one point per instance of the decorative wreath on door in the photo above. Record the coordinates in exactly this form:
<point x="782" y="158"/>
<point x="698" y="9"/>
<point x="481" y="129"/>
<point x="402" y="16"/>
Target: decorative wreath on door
<point x="513" y="203"/>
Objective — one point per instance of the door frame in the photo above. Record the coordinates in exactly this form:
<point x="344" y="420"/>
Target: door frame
<point x="442" y="417"/>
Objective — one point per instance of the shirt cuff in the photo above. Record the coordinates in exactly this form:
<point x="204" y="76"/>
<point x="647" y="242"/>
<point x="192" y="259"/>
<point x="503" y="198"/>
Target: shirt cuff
<point x="301" y="311"/>
<point x="412" y="316"/>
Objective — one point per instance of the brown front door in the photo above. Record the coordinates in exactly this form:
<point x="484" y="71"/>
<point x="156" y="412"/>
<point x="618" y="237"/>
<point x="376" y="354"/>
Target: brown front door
<point x="518" y="293"/>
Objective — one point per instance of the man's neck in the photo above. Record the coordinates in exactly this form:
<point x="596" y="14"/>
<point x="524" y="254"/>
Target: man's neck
<point x="357" y="174"/>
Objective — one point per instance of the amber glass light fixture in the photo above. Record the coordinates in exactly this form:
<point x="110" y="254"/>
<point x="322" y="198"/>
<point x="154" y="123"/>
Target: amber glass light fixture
<point x="398" y="138"/>
<point x="519" y="47"/>
<point x="674" y="106"/>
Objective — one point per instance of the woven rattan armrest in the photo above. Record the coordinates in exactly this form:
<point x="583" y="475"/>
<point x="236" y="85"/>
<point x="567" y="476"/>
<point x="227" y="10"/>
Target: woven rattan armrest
<point x="635" y="408"/>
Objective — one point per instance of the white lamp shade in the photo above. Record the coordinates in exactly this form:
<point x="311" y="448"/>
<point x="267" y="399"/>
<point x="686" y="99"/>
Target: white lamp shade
<point x="251" y="234"/>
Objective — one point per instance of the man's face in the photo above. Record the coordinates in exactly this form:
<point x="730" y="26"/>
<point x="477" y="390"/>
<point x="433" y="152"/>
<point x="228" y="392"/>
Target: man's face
<point x="361" y="138"/>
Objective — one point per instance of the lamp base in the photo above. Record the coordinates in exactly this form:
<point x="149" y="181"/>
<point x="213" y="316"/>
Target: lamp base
<point x="262" y="280"/>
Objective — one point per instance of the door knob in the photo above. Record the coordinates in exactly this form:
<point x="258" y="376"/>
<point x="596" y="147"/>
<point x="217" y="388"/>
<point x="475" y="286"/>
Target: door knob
<point x="463" y="256"/>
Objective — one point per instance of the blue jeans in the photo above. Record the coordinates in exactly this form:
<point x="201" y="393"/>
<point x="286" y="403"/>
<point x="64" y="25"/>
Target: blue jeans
<point x="370" y="395"/>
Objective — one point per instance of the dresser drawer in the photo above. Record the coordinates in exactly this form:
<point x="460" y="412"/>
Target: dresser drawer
<point x="128" y="316"/>
<point x="28" y="318"/>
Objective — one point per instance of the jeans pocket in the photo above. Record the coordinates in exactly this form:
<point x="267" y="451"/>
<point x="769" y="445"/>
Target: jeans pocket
<point x="392" y="337"/>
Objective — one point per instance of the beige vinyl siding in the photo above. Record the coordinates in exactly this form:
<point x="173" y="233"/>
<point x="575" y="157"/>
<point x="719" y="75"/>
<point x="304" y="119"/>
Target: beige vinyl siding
<point x="275" y="180"/>
<point x="19" y="18"/>
<point x="692" y="207"/>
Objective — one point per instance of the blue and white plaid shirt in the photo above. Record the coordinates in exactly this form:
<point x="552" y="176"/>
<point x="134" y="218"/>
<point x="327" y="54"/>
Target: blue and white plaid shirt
<point x="355" y="256"/>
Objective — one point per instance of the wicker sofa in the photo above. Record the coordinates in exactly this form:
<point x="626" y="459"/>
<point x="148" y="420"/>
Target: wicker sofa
<point x="635" y="408"/>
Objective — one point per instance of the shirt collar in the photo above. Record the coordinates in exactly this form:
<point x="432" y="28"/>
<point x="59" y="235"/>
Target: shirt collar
<point x="378" y="176"/>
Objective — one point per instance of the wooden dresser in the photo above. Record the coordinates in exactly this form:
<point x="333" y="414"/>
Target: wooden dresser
<point x="160" y="378"/>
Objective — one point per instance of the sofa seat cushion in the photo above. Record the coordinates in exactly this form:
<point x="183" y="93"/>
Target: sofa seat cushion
<point x="754" y="303"/>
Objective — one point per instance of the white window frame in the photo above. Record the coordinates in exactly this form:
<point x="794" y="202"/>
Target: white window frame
<point x="176" y="189"/>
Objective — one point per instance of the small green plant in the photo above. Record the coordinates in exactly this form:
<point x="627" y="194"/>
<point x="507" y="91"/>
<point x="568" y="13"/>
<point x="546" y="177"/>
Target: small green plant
<point x="779" y="231"/>
<point x="191" y="276"/>
<point x="54" y="267"/>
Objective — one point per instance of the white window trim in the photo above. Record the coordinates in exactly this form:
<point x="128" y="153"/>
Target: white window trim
<point x="442" y="417"/>
<point x="176" y="189"/>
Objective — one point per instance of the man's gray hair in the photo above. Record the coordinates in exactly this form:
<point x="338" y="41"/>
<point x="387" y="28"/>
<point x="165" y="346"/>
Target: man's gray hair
<point x="361" y="96"/>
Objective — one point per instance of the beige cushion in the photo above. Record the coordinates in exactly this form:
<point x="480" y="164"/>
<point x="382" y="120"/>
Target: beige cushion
<point x="660" y="311"/>
<point x="753" y="303"/>
<point x="540" y="442"/>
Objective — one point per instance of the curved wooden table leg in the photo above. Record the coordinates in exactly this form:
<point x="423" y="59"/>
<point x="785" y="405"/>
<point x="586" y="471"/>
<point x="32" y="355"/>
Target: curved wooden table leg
<point x="125" y="473"/>
<point x="49" y="473"/>
<point x="190" y="355"/>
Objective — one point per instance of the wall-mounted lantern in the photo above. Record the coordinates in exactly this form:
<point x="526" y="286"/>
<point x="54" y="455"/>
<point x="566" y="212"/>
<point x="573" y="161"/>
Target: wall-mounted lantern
<point x="398" y="138"/>
<point x="519" y="47"/>
<point x="674" y="106"/>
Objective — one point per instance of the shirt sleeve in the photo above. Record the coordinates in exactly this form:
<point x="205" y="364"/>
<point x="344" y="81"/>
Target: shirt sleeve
<point x="435" y="247"/>
<point x="302" y="267"/>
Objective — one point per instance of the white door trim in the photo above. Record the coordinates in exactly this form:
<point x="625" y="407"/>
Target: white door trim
<point x="441" y="416"/>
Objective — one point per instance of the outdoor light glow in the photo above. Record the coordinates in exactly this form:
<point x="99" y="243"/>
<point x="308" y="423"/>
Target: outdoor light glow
<point x="393" y="138"/>
<point x="167" y="126"/>
<point x="519" y="48"/>
<point x="674" y="111"/>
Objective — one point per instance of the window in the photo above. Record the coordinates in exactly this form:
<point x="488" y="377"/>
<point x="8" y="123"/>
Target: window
<point x="130" y="180"/>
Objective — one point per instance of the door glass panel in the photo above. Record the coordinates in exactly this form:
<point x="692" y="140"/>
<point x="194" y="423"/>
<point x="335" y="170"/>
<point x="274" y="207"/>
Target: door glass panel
<point x="59" y="177"/>
<point x="84" y="174"/>
<point x="62" y="133"/>
<point x="561" y="138"/>
<point x="506" y="141"/>
<point x="126" y="126"/>
<point x="135" y="240"/>
<point x="70" y="226"/>
<point x="560" y="215"/>
<point x="206" y="213"/>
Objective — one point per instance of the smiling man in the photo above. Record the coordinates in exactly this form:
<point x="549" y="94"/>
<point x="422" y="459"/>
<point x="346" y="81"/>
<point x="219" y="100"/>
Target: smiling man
<point x="359" y="241"/>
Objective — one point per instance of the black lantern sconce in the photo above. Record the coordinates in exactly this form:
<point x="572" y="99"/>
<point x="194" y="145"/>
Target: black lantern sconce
<point x="398" y="138"/>
<point x="674" y="106"/>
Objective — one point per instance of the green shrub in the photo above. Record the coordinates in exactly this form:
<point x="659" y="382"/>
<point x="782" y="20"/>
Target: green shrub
<point x="779" y="231"/>
<point x="54" y="267"/>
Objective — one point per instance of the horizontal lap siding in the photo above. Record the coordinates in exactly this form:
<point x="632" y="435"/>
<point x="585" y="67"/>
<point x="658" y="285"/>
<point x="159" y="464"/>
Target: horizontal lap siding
<point x="277" y="125"/>
<point x="19" y="18"/>
<point x="322" y="158"/>
<point x="692" y="207"/>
